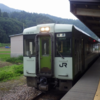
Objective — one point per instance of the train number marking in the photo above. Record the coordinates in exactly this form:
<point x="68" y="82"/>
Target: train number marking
<point x="63" y="64"/>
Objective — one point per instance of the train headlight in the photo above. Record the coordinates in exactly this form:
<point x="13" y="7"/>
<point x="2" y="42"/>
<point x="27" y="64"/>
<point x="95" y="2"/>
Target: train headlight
<point x="45" y="29"/>
<point x="42" y="29"/>
<point x="61" y="35"/>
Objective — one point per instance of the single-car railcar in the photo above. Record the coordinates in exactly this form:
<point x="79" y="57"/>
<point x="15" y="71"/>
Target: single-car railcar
<point x="55" y="54"/>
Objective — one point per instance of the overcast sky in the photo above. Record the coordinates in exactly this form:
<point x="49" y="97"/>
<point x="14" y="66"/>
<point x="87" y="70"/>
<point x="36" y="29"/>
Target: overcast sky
<point x="59" y="8"/>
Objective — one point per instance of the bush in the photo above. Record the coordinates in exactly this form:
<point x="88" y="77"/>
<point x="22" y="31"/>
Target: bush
<point x="15" y="60"/>
<point x="10" y="72"/>
<point x="20" y="58"/>
<point x="18" y="69"/>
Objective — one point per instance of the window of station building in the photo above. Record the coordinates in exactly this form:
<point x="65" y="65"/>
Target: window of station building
<point x="29" y="46"/>
<point x="63" y="45"/>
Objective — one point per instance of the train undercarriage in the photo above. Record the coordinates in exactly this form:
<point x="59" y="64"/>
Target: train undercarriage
<point x="45" y="84"/>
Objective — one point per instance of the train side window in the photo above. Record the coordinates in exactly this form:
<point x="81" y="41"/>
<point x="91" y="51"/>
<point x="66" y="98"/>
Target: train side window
<point x="88" y="49"/>
<point x="63" y="46"/>
<point x="29" y="47"/>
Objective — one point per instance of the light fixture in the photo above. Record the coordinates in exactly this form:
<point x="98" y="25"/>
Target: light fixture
<point x="45" y="29"/>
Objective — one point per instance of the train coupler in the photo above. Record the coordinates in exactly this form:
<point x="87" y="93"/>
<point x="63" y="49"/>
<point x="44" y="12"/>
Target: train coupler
<point x="43" y="87"/>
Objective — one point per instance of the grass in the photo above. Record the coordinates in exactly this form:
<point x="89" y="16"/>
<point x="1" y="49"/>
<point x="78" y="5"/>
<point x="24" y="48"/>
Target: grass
<point x="4" y="51"/>
<point x="11" y="72"/>
<point x="4" y="44"/>
<point x="4" y="57"/>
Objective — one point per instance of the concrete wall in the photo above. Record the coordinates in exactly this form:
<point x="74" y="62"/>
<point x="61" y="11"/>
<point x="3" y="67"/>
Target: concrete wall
<point x="16" y="45"/>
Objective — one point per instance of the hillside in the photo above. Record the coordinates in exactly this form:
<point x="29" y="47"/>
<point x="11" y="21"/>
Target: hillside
<point x="13" y="21"/>
<point x="5" y="8"/>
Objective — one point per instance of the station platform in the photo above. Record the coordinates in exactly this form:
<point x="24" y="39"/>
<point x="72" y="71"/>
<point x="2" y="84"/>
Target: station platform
<point x="88" y="87"/>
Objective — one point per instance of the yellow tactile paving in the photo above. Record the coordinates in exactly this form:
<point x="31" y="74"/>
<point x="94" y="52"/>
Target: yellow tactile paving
<point x="97" y="95"/>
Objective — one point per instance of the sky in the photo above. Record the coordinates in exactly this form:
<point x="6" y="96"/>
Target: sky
<point x="59" y="8"/>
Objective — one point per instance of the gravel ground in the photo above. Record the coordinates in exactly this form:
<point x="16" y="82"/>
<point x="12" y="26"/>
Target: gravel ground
<point x="17" y="90"/>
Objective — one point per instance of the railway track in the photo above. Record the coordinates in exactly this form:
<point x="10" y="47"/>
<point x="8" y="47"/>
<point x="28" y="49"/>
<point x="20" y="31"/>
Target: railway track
<point x="50" y="95"/>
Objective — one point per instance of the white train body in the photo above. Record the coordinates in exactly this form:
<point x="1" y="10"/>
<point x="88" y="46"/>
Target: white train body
<point x="55" y="54"/>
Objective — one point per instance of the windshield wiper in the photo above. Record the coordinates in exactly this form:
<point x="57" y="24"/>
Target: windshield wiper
<point x="60" y="54"/>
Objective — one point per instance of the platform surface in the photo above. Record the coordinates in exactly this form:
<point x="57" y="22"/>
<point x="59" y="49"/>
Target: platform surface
<point x="87" y="88"/>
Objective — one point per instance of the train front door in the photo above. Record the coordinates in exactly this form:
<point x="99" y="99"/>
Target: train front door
<point x="45" y="55"/>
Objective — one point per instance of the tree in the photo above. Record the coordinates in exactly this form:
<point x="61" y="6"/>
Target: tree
<point x="0" y="13"/>
<point x="5" y="14"/>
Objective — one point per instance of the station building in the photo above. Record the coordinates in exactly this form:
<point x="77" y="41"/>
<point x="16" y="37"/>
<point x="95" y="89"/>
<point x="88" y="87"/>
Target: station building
<point x="16" y="42"/>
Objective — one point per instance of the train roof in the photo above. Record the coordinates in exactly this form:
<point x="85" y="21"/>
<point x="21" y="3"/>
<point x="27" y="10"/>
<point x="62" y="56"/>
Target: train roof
<point x="81" y="31"/>
<point x="54" y="28"/>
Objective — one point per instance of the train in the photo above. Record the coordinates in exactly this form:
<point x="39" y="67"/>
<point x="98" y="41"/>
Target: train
<point x="56" y="54"/>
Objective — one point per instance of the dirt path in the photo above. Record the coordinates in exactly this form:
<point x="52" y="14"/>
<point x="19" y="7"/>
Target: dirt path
<point x="2" y="64"/>
<point x="5" y="87"/>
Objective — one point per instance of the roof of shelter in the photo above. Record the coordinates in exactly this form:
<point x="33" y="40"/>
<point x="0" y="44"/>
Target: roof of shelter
<point x="87" y="11"/>
<point x="15" y="35"/>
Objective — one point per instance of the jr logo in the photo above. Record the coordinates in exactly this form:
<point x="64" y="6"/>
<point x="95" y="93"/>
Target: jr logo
<point x="63" y="64"/>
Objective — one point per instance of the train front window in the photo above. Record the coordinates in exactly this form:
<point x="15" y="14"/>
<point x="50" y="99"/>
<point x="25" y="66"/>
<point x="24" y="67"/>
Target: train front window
<point x="63" y="45"/>
<point x="45" y="47"/>
<point x="29" y="46"/>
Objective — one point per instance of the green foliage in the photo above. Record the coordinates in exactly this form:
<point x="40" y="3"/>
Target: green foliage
<point x="15" y="22"/>
<point x="5" y="14"/>
<point x="4" y="44"/>
<point x="30" y="19"/>
<point x="4" y="57"/>
<point x="0" y="13"/>
<point x="9" y="26"/>
<point x="10" y="72"/>
<point x="15" y="60"/>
